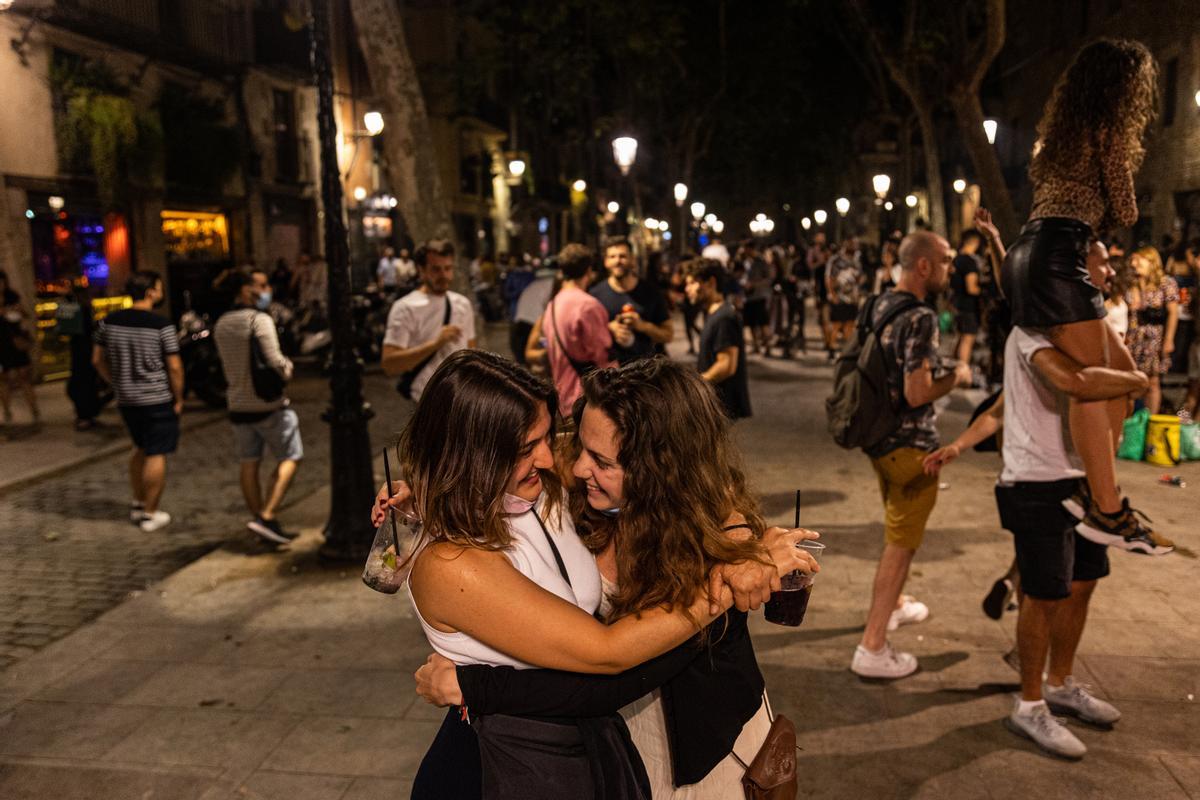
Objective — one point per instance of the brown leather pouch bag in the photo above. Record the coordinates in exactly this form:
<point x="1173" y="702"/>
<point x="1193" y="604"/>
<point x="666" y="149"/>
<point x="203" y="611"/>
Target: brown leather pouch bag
<point x="771" y="775"/>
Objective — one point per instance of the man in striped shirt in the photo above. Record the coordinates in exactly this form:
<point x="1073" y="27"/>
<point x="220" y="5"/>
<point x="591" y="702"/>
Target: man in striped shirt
<point x="258" y="422"/>
<point x="137" y="352"/>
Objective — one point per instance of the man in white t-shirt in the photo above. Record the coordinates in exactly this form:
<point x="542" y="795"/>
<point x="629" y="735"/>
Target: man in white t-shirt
<point x="1058" y="567"/>
<point x="424" y="327"/>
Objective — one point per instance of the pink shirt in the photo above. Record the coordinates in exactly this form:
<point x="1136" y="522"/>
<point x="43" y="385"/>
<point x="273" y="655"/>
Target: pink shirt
<point x="583" y="328"/>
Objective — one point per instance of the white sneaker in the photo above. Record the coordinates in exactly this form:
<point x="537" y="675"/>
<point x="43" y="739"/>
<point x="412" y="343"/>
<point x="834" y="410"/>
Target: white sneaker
<point x="1045" y="730"/>
<point x="137" y="512"/>
<point x="911" y="610"/>
<point x="887" y="663"/>
<point x="155" y="521"/>
<point x="1074" y="699"/>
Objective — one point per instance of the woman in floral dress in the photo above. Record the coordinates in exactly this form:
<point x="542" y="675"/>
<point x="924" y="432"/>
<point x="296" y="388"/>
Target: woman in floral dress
<point x="1154" y="307"/>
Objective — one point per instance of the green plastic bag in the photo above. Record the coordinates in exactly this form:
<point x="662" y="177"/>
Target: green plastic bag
<point x="1189" y="441"/>
<point x="946" y="321"/>
<point x="1133" y="436"/>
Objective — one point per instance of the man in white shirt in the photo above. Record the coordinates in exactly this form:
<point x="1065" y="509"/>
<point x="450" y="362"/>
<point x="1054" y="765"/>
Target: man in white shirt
<point x="716" y="251"/>
<point x="424" y="327"/>
<point x="386" y="274"/>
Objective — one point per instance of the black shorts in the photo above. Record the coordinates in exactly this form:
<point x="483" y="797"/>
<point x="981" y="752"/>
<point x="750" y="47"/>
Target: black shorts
<point x="154" y="429"/>
<point x="966" y="322"/>
<point x="1045" y="275"/>
<point x="1050" y="554"/>
<point x="843" y="312"/>
<point x="755" y="313"/>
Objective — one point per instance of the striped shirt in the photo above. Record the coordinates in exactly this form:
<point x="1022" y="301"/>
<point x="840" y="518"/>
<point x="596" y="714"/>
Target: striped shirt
<point x="232" y="334"/>
<point x="136" y="344"/>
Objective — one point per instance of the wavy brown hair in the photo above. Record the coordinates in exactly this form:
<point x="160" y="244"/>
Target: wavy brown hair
<point x="1106" y="95"/>
<point x="1157" y="276"/>
<point x="683" y="478"/>
<point x="462" y="444"/>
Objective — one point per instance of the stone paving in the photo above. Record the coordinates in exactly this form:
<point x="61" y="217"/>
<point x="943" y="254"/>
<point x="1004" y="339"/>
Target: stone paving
<point x="68" y="553"/>
<point x="266" y="675"/>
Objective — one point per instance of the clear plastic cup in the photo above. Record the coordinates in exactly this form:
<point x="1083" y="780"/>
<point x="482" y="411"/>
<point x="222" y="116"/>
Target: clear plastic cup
<point x="789" y="605"/>
<point x="390" y="560"/>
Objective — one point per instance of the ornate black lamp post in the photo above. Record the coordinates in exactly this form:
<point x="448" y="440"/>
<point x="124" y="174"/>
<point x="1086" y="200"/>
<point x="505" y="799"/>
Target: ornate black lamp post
<point x="348" y="532"/>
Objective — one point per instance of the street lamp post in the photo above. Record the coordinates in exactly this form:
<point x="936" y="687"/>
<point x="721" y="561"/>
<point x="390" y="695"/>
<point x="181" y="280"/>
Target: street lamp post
<point x="348" y="533"/>
<point x="681" y="193"/>
<point x="697" y="210"/>
<point x="842" y="205"/>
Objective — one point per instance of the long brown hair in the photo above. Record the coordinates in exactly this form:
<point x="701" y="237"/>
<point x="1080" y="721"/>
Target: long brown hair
<point x="462" y="444"/>
<point x="683" y="478"/>
<point x="1105" y="97"/>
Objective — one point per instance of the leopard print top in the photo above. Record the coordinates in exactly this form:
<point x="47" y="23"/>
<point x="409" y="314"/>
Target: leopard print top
<point x="1095" y="187"/>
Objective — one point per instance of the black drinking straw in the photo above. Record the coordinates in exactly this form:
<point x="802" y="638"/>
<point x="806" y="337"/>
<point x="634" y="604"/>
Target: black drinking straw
<point x="797" y="525"/>
<point x="387" y="476"/>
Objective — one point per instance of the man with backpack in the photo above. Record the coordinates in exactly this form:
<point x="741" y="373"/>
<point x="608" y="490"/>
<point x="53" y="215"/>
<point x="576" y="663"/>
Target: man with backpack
<point x="257" y="373"/>
<point x="883" y="402"/>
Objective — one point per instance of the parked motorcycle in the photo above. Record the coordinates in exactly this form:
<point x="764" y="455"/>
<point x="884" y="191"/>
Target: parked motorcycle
<point x="202" y="373"/>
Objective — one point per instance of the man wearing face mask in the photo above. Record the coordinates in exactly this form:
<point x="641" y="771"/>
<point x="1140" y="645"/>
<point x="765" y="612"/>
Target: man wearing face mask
<point x="137" y="353"/>
<point x="260" y="413"/>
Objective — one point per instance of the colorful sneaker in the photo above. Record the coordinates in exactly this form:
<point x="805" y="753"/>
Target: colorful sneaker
<point x="998" y="598"/>
<point x="1074" y="699"/>
<point x="911" y="610"/>
<point x="1044" y="729"/>
<point x="888" y="663"/>
<point x="1124" y="531"/>
<point x="1077" y="504"/>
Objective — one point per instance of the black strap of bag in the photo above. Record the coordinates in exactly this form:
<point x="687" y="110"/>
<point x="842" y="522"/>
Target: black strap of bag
<point x="404" y="385"/>
<point x="267" y="382"/>
<point x="581" y="367"/>
<point x="562" y="567"/>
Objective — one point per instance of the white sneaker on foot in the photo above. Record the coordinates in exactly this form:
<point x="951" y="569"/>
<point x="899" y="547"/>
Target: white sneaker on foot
<point x="1044" y="730"/>
<point x="155" y="521"/>
<point x="888" y="663"/>
<point x="137" y="512"/>
<point x="1074" y="699"/>
<point x="911" y="610"/>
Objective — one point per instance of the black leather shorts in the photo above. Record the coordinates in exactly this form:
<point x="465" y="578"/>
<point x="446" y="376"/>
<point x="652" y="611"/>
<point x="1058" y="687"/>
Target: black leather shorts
<point x="1045" y="275"/>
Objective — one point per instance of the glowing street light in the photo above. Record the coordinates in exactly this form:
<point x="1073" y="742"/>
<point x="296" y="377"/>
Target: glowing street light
<point x="819" y="216"/>
<point x="1198" y="98"/>
<point x="664" y="226"/>
<point x="680" y="194"/>
<point x="55" y="202"/>
<point x="516" y="167"/>
<point x="768" y="224"/>
<point x="959" y="185"/>
<point x="625" y="152"/>
<point x="989" y="128"/>
<point x="710" y="218"/>
<point x="760" y="216"/>
<point x="360" y="193"/>
<point x="580" y="185"/>
<point x="718" y="227"/>
<point x="697" y="211"/>
<point x="651" y="223"/>
<point x="613" y="206"/>
<point x="888" y="206"/>
<point x="805" y="223"/>
<point x="843" y="206"/>
<point x="911" y="201"/>
<point x="373" y="122"/>
<point x="881" y="184"/>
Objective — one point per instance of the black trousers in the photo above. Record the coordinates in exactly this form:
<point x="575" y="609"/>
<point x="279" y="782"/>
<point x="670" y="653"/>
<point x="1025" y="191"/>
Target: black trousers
<point x="451" y="768"/>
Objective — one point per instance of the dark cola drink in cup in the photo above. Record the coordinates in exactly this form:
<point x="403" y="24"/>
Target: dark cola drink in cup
<point x="789" y="605"/>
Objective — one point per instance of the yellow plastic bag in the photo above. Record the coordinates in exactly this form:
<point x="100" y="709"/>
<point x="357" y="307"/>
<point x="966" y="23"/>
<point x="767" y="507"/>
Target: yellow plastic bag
<point x="1162" y="440"/>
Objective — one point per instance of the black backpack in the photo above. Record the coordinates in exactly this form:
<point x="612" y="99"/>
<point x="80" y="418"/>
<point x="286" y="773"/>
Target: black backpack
<point x="860" y="412"/>
<point x="268" y="383"/>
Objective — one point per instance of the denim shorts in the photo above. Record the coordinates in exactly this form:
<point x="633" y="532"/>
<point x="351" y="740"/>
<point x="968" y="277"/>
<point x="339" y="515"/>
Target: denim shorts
<point x="280" y="432"/>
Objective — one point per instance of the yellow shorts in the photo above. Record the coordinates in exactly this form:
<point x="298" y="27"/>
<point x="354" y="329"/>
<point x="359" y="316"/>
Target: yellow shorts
<point x="908" y="495"/>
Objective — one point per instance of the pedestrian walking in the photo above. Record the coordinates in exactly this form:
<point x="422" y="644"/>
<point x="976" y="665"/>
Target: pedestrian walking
<point x="16" y="341"/>
<point x="758" y="280"/>
<point x="137" y="353"/>
<point x="73" y="318"/>
<point x="817" y="258"/>
<point x="1154" y="306"/>
<point x="576" y="328"/>
<point x="257" y="373"/>
<point x="967" y="288"/>
<point x="387" y="272"/>
<point x="845" y="280"/>
<point x="638" y="305"/>
<point x="909" y="341"/>
<point x="427" y="325"/>
<point x="722" y="356"/>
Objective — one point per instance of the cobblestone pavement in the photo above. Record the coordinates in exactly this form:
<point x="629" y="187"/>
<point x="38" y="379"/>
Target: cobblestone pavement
<point x="68" y="552"/>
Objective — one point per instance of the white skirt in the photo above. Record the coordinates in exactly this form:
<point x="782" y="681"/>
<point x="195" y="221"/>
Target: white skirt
<point x="648" y="728"/>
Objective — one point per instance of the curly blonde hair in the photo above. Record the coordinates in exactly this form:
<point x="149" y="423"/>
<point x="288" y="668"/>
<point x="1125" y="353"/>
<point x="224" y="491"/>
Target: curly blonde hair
<point x="1157" y="276"/>
<point x="1106" y="97"/>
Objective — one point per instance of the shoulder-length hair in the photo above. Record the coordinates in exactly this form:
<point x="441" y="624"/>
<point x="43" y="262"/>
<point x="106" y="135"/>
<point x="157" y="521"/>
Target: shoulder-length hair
<point x="683" y="478"/>
<point x="1106" y="97"/>
<point x="1157" y="276"/>
<point x="462" y="444"/>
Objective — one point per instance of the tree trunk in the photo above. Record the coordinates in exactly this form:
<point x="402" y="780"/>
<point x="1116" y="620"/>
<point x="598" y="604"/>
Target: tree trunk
<point x="969" y="114"/>
<point x="933" y="165"/>
<point x="408" y="140"/>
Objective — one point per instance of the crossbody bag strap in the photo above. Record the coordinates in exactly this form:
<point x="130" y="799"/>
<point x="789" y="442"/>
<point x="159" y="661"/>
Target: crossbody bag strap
<point x="446" y="316"/>
<point x="770" y="716"/>
<point x="566" y="354"/>
<point x="562" y="567"/>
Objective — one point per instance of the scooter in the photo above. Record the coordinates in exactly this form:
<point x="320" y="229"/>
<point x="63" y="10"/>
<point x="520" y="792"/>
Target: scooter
<point x="202" y="372"/>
